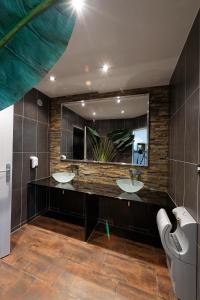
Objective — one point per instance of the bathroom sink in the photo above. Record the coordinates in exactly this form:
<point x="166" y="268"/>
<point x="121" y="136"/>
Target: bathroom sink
<point x="63" y="177"/>
<point x="130" y="186"/>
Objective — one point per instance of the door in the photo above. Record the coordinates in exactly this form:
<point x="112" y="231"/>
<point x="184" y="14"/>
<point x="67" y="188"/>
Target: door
<point x="6" y="146"/>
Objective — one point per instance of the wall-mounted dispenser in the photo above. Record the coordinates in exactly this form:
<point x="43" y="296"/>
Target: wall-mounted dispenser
<point x="34" y="162"/>
<point x="63" y="157"/>
<point x="181" y="250"/>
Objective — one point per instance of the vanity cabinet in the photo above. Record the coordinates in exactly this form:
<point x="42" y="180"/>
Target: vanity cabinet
<point x="42" y="196"/>
<point x="139" y="217"/>
<point x="133" y="215"/>
<point x="67" y="202"/>
<point x="54" y="199"/>
<point x="129" y="215"/>
<point x="117" y="213"/>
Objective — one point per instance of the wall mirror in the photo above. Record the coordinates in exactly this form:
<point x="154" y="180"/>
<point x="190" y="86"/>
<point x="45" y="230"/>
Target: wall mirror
<point x="109" y="130"/>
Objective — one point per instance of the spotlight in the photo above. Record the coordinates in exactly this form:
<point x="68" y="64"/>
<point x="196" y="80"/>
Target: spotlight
<point x="78" y="5"/>
<point x="105" y="68"/>
<point x="52" y="78"/>
<point x="88" y="83"/>
<point x="118" y="99"/>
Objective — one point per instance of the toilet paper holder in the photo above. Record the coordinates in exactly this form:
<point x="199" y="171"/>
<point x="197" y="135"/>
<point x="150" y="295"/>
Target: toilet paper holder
<point x="181" y="249"/>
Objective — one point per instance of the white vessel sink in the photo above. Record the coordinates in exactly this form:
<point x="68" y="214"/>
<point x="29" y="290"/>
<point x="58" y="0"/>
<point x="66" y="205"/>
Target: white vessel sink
<point x="130" y="186"/>
<point x="63" y="177"/>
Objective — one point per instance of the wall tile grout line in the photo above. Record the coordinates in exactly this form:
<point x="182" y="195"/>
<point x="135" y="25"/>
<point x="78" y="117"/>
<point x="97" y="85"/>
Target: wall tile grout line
<point x="182" y="161"/>
<point x="22" y="160"/>
<point x="31" y="119"/>
<point x="186" y="100"/>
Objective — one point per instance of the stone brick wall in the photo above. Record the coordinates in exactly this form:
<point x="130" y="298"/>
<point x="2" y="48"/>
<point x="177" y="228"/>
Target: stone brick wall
<point x="154" y="176"/>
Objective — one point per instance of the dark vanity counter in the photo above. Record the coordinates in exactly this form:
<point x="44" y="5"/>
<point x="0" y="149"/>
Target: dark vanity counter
<point x="133" y="214"/>
<point x="144" y="195"/>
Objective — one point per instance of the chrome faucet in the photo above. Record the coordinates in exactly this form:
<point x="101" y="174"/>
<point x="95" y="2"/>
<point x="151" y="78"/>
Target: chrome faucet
<point x="131" y="173"/>
<point x="135" y="173"/>
<point x="75" y="169"/>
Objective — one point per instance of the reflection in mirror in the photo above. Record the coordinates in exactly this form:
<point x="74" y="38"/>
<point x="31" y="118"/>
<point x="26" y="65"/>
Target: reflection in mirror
<point x="112" y="130"/>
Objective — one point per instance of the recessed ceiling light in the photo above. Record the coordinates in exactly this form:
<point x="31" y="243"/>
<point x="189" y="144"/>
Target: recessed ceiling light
<point x="78" y="5"/>
<point x="94" y="114"/>
<point x="105" y="68"/>
<point x="88" y="83"/>
<point x="122" y="112"/>
<point x="118" y="99"/>
<point x="83" y="103"/>
<point x="52" y="78"/>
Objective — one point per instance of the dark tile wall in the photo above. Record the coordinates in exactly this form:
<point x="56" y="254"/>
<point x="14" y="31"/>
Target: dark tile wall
<point x="31" y="125"/>
<point x="106" y="126"/>
<point x="184" y="149"/>
<point x="69" y="119"/>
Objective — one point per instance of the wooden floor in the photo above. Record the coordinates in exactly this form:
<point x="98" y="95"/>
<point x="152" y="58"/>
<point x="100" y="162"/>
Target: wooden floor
<point x="49" y="261"/>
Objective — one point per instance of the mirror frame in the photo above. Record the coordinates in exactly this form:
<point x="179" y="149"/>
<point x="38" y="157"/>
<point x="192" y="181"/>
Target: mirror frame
<point x="102" y="98"/>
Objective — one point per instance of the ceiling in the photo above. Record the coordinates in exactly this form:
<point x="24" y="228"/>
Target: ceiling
<point x="140" y="40"/>
<point x="133" y="106"/>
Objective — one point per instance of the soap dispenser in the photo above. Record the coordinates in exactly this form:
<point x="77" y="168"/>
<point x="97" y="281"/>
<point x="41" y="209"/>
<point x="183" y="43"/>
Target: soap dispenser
<point x="34" y="162"/>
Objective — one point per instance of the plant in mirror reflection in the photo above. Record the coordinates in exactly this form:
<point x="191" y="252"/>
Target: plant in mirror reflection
<point x="93" y="135"/>
<point x="122" y="139"/>
<point x="105" y="148"/>
<point x="102" y="147"/>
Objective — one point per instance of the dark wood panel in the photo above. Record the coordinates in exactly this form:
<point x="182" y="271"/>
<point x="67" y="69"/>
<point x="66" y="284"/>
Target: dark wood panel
<point x="91" y="214"/>
<point x="72" y="202"/>
<point x="54" y="199"/>
<point x="67" y="201"/>
<point x="115" y="211"/>
<point x="41" y="199"/>
<point x="140" y="217"/>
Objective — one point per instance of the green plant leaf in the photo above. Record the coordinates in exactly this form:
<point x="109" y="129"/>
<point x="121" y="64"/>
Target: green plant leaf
<point x="34" y="35"/>
<point x="122" y="139"/>
<point x="104" y="150"/>
<point x="93" y="135"/>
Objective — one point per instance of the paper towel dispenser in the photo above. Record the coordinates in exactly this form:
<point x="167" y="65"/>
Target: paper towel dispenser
<point x="34" y="162"/>
<point x="181" y="250"/>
